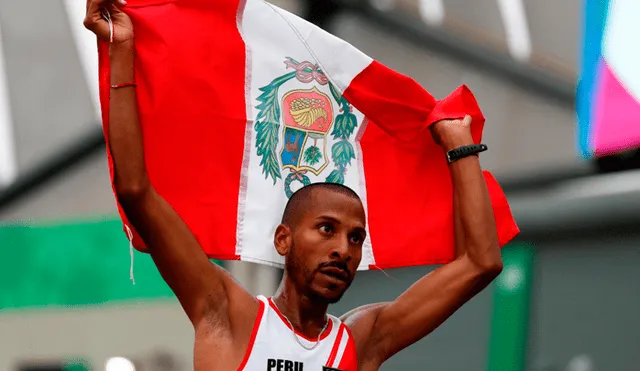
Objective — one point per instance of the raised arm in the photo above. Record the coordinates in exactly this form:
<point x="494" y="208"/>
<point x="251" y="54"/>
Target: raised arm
<point x="384" y="329"/>
<point x="203" y="289"/>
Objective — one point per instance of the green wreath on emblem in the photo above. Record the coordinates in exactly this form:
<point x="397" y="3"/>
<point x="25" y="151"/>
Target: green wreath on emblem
<point x="342" y="151"/>
<point x="267" y="126"/>
<point x="295" y="175"/>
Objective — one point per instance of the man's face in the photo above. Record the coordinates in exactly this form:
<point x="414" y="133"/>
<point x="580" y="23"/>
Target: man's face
<point x="326" y="245"/>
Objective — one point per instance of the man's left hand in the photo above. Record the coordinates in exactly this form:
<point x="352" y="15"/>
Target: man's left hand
<point x="451" y="134"/>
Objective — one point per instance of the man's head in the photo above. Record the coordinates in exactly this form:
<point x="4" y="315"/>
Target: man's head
<point x="321" y="236"/>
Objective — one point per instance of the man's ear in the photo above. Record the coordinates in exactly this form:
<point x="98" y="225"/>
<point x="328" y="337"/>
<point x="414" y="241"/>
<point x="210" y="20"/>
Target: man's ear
<point x="282" y="239"/>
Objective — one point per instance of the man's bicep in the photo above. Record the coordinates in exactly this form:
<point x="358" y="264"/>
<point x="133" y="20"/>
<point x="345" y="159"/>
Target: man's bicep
<point x="425" y="306"/>
<point x="199" y="285"/>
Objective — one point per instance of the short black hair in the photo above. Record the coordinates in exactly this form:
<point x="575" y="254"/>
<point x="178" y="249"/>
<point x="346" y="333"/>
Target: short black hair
<point x="301" y="198"/>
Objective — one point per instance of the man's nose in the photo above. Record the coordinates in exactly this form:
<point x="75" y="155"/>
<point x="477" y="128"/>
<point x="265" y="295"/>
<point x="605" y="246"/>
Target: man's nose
<point x="341" y="249"/>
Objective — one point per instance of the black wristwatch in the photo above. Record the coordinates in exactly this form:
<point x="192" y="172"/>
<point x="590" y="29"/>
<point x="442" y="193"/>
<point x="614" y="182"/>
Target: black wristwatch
<point x="465" y="151"/>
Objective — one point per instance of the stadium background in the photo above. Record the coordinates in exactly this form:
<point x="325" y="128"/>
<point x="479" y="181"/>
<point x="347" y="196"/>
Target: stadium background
<point x="569" y="296"/>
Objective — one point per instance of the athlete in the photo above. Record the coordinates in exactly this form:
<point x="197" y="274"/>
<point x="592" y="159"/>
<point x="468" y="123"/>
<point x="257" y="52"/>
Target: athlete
<point x="321" y="236"/>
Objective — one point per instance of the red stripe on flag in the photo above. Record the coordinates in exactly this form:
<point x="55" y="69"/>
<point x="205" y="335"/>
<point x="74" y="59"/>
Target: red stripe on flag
<point x="505" y="223"/>
<point x="409" y="200"/>
<point x="409" y="191"/>
<point x="192" y="109"/>
<point x="398" y="104"/>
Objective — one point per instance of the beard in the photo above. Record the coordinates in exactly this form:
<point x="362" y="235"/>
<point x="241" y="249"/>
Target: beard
<point x="332" y="299"/>
<point x="304" y="278"/>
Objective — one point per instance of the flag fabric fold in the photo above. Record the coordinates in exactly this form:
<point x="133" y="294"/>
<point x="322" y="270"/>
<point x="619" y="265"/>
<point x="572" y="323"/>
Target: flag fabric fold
<point x="241" y="103"/>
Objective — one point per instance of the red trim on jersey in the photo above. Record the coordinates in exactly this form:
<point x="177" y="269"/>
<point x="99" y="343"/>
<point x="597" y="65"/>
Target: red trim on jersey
<point x="336" y="346"/>
<point x="286" y="323"/>
<point x="349" y="361"/>
<point x="254" y="333"/>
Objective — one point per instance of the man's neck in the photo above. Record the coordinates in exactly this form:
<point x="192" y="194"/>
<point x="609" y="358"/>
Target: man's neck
<point x="307" y="316"/>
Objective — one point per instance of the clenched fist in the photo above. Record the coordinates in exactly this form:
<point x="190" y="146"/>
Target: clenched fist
<point x="451" y="134"/>
<point x="99" y="12"/>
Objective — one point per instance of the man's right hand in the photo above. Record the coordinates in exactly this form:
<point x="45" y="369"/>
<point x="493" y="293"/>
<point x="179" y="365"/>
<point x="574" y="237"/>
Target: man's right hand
<point x="95" y="20"/>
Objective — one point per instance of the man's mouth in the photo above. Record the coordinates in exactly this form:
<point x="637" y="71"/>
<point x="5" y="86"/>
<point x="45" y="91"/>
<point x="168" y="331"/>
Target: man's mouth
<point x="335" y="272"/>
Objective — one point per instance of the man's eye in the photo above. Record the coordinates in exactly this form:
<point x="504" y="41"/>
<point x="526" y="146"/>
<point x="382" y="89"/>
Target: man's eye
<point x="356" y="239"/>
<point x="326" y="228"/>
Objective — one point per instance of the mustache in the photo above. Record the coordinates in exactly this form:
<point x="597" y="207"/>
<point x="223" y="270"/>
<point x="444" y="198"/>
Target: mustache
<point x="336" y="264"/>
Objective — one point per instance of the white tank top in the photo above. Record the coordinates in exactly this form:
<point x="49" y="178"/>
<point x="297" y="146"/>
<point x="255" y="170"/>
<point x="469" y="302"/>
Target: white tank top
<point x="273" y="347"/>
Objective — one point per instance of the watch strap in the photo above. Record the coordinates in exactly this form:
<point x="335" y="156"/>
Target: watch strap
<point x="465" y="151"/>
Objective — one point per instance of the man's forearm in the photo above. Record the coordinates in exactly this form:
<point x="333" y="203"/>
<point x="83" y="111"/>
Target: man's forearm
<point x="475" y="229"/>
<point x="124" y="133"/>
<point x="475" y="213"/>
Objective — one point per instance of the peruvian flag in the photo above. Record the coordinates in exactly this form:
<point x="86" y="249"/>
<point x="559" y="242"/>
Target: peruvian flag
<point x="242" y="103"/>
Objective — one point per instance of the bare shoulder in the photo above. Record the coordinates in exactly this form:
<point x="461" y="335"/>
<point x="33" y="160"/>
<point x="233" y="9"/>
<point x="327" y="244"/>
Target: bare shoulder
<point x="365" y="312"/>
<point x="361" y="322"/>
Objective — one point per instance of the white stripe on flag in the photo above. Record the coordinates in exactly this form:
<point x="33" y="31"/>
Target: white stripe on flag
<point x="8" y="168"/>
<point x="262" y="202"/>
<point x="341" y="62"/>
<point x="328" y="50"/>
<point x="87" y="48"/>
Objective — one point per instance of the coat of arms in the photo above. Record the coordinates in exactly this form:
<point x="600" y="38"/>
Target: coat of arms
<point x="301" y="120"/>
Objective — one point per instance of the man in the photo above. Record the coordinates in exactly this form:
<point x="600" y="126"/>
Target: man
<point x="321" y="236"/>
